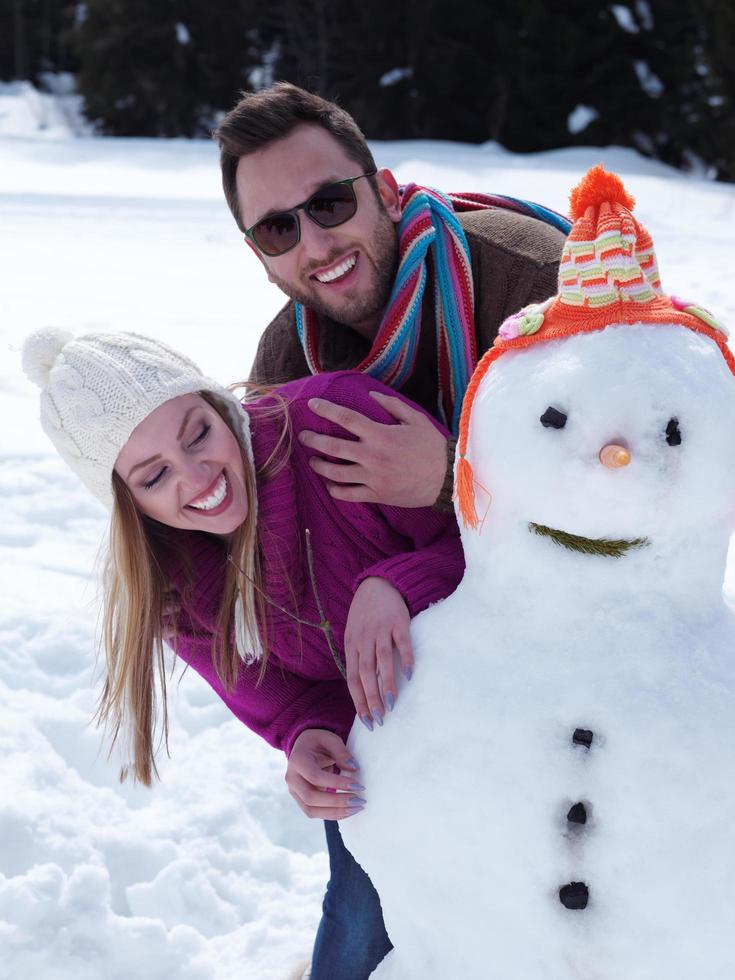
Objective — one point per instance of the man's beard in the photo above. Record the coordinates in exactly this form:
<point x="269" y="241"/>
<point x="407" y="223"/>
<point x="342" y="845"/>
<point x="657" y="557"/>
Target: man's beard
<point x="365" y="308"/>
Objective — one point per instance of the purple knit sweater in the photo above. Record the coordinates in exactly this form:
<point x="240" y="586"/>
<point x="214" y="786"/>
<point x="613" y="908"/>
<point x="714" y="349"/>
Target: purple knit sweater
<point x="417" y="550"/>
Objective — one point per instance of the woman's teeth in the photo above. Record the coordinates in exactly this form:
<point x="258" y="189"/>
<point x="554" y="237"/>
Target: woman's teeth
<point x="215" y="498"/>
<point x="340" y="270"/>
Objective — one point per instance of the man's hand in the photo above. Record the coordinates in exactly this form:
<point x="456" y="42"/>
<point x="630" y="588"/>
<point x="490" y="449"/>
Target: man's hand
<point x="377" y="622"/>
<point x="313" y="782"/>
<point x="400" y="465"/>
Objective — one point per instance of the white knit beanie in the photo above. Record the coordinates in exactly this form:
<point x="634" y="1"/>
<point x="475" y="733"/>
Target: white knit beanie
<point x="97" y="388"/>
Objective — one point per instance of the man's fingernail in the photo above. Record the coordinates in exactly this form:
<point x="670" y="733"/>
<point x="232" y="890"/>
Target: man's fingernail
<point x="367" y="722"/>
<point x="356" y="788"/>
<point x="313" y="403"/>
<point x="352" y="763"/>
<point x="355" y="801"/>
<point x="377" y="394"/>
<point x="352" y="810"/>
<point x="390" y="701"/>
<point x="408" y="672"/>
<point x="378" y="715"/>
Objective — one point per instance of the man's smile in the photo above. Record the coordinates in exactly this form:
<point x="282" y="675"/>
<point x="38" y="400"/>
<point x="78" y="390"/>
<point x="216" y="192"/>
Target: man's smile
<point x="337" y="270"/>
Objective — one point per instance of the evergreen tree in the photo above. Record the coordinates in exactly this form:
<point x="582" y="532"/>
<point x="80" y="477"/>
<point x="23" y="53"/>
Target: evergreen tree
<point x="162" y="69"/>
<point x="657" y="75"/>
<point x="32" y="38"/>
<point x="716" y="74"/>
<point x="134" y="68"/>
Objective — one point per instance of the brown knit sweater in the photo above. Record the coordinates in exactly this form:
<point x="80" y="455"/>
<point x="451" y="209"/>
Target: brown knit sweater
<point x="515" y="261"/>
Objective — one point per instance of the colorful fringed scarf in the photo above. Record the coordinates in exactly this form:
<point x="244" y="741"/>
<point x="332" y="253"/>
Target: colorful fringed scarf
<point x="429" y="219"/>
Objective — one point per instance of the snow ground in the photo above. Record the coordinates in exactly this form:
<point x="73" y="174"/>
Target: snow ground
<point x="214" y="873"/>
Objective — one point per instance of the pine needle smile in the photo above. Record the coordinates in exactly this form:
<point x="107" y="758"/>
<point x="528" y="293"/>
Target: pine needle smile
<point x="609" y="547"/>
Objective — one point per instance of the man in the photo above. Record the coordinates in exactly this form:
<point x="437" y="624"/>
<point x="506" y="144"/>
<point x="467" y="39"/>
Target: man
<point x="392" y="283"/>
<point x="336" y="256"/>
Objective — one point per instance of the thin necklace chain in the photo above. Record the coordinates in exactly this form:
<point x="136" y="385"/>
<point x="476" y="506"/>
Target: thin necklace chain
<point x="324" y="625"/>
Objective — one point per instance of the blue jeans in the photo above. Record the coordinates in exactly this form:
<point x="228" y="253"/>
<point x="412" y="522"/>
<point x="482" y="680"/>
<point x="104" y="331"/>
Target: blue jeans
<point x="351" y="940"/>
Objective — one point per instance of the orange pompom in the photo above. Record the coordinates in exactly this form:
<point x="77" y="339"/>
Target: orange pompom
<point x="596" y="187"/>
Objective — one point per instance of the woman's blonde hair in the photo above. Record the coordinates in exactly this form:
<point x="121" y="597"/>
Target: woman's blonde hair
<point x="139" y="608"/>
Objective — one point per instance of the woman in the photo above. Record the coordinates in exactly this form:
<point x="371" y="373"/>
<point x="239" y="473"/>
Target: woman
<point x="225" y="543"/>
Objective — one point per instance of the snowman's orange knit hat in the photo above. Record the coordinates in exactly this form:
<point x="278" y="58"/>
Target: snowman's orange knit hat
<point x="607" y="275"/>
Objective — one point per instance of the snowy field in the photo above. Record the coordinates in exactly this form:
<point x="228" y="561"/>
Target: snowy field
<point x="215" y="873"/>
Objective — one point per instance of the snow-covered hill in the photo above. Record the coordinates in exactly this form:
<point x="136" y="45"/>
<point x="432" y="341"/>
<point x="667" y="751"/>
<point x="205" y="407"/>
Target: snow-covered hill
<point x="214" y="873"/>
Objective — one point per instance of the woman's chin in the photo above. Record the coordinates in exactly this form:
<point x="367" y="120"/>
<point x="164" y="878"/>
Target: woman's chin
<point x="228" y="522"/>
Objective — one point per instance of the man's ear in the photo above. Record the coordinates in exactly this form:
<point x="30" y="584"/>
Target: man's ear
<point x="388" y="190"/>
<point x="258" y="254"/>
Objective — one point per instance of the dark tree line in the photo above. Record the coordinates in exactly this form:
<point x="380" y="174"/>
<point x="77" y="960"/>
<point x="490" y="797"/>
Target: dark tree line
<point x="33" y="37"/>
<point x="658" y="75"/>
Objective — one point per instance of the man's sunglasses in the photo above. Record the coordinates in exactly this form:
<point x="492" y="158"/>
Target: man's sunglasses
<point x="328" y="207"/>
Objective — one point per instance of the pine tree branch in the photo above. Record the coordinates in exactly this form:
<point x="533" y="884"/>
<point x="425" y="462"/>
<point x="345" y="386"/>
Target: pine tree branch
<point x="608" y="547"/>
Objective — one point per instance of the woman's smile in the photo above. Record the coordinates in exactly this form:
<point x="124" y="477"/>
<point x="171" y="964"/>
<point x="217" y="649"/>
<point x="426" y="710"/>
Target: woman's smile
<point x="215" y="499"/>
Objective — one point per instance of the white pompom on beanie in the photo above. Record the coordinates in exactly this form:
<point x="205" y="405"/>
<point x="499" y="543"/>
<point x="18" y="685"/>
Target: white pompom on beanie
<point x="97" y="388"/>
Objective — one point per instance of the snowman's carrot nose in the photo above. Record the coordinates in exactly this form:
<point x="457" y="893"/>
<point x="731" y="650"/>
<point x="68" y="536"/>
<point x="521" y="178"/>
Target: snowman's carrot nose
<point x="614" y="456"/>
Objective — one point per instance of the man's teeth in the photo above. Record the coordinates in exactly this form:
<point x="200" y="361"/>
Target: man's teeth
<point x="215" y="498"/>
<point x="339" y="270"/>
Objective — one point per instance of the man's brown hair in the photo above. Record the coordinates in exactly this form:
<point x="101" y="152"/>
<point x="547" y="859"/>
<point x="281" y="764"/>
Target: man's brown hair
<point x="259" y="118"/>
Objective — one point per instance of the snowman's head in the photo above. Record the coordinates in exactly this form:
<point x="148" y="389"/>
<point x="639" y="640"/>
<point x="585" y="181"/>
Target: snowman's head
<point x="604" y="418"/>
<point x="606" y="442"/>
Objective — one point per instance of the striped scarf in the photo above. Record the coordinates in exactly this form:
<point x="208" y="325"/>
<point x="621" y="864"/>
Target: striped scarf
<point x="429" y="219"/>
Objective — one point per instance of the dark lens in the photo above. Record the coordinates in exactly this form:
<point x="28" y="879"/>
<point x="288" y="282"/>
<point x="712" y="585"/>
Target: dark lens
<point x="333" y="205"/>
<point x="277" y="233"/>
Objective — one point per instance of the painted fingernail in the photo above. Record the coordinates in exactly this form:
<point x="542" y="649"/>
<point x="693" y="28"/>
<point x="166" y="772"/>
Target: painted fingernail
<point x="390" y="701"/>
<point x="355" y="801"/>
<point x="367" y="722"/>
<point x="329" y="789"/>
<point x="378" y="717"/>
<point x="356" y="788"/>
<point x="351" y="763"/>
<point x="408" y="672"/>
<point x="351" y="811"/>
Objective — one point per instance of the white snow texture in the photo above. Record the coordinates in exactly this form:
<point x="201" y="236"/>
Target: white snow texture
<point x="539" y="642"/>
<point x="215" y="873"/>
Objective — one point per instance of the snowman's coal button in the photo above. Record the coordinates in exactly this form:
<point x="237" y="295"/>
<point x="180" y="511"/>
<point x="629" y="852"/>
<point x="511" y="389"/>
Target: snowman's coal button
<point x="583" y="736"/>
<point x="575" y="895"/>
<point x="673" y="433"/>
<point x="553" y="419"/>
<point x="577" y="813"/>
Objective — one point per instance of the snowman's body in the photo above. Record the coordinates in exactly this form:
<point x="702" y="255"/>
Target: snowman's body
<point x="472" y="827"/>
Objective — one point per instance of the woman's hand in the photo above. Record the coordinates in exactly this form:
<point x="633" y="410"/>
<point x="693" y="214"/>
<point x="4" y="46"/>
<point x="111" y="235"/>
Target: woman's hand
<point x="377" y="622"/>
<point x="313" y="782"/>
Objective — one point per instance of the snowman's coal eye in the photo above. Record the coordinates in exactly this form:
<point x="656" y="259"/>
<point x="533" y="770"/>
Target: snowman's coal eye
<point x="673" y="433"/>
<point x="553" y="419"/>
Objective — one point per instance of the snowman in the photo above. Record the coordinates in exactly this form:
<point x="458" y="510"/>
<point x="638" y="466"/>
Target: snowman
<point x="554" y="796"/>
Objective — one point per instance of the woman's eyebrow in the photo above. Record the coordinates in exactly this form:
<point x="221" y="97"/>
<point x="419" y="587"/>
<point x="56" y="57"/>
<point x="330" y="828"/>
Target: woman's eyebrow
<point x="180" y="433"/>
<point x="184" y="421"/>
<point x="145" y="462"/>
